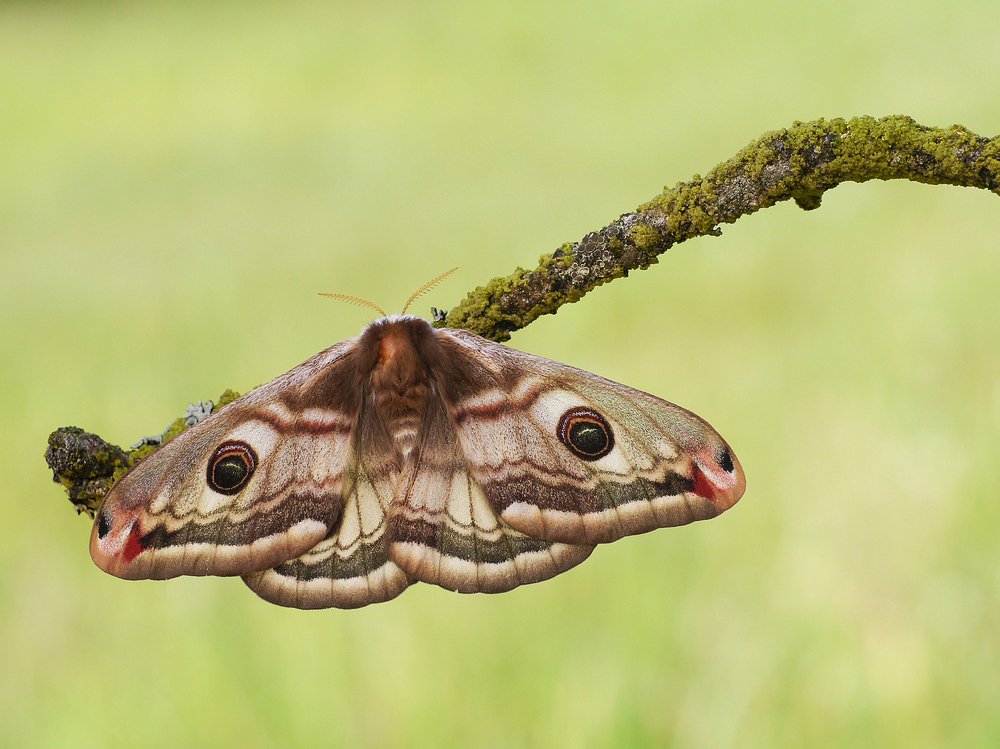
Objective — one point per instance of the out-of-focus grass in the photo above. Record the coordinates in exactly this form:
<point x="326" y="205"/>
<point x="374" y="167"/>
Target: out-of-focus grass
<point x="176" y="181"/>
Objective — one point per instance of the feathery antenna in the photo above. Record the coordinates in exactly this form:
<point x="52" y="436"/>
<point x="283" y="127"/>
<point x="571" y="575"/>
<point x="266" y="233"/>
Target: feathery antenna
<point x="357" y="300"/>
<point x="366" y="303"/>
<point x="426" y="287"/>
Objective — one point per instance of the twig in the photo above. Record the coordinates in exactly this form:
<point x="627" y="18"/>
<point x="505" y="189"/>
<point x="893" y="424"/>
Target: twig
<point x="799" y="163"/>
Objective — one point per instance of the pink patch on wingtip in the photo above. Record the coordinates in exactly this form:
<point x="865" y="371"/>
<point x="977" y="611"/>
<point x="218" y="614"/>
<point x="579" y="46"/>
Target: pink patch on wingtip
<point x="133" y="547"/>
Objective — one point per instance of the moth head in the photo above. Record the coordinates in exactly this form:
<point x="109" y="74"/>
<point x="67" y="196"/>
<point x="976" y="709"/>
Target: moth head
<point x="585" y="433"/>
<point x="231" y="466"/>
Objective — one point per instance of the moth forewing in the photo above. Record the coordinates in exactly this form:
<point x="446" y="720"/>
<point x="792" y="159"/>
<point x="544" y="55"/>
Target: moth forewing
<point x="413" y="454"/>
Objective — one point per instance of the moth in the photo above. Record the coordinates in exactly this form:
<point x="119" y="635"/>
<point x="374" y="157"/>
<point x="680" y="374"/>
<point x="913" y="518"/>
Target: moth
<point x="412" y="454"/>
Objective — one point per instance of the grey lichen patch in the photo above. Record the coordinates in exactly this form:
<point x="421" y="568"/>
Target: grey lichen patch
<point x="88" y="467"/>
<point x="177" y="426"/>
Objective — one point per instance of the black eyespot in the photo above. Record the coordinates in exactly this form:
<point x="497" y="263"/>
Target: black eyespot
<point x="726" y="460"/>
<point x="103" y="525"/>
<point x="231" y="467"/>
<point x="585" y="432"/>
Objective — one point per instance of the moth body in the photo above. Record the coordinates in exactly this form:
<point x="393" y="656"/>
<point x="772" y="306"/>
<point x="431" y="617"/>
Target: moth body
<point x="412" y="454"/>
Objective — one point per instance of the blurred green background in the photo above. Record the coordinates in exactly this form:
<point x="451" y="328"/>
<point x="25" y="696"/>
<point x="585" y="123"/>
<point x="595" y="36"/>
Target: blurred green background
<point x="178" y="180"/>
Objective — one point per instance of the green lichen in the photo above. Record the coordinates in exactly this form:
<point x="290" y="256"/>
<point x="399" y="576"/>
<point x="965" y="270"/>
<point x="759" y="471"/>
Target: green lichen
<point x="83" y="464"/>
<point x="644" y="237"/>
<point x="512" y="302"/>
<point x="798" y="163"/>
<point x="226" y="398"/>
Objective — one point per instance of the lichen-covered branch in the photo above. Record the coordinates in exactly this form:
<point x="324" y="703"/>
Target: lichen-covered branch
<point x="87" y="466"/>
<point x="800" y="162"/>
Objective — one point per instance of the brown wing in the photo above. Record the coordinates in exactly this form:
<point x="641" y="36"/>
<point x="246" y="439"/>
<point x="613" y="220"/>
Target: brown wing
<point x="567" y="456"/>
<point x="257" y="483"/>
<point x="444" y="531"/>
<point x="350" y="567"/>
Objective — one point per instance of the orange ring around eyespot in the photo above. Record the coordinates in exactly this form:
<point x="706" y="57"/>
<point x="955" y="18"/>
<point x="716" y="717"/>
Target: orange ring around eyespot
<point x="588" y="416"/>
<point x="244" y="453"/>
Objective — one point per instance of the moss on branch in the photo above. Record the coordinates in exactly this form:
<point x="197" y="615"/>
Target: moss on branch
<point x="799" y="163"/>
